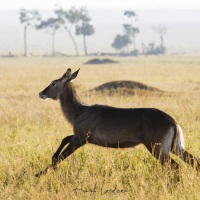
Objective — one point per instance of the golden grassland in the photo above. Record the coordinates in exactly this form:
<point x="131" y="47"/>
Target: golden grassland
<point x="31" y="130"/>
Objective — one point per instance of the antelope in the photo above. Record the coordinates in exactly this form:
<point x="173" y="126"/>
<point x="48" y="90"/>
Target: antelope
<point x="113" y="127"/>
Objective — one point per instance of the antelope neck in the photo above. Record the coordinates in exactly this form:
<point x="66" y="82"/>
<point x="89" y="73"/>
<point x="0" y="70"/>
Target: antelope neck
<point x="70" y="103"/>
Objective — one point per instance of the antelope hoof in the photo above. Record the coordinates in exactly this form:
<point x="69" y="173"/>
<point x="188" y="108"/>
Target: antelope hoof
<point x="55" y="160"/>
<point x="41" y="173"/>
<point x="50" y="167"/>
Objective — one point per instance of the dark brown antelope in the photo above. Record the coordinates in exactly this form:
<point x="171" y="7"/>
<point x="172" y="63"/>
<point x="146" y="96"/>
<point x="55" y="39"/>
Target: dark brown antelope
<point x="115" y="127"/>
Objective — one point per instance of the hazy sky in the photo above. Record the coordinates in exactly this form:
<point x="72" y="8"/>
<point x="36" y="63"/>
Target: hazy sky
<point x="102" y="4"/>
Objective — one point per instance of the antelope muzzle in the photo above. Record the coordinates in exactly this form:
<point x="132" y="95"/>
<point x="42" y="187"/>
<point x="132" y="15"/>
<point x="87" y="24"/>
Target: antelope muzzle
<point x="42" y="95"/>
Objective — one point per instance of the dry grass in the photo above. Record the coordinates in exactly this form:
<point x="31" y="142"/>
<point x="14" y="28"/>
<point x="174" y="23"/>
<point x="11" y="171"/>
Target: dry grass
<point x="31" y="130"/>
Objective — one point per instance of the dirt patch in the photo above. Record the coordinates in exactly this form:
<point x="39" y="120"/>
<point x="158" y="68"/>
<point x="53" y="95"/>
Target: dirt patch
<point x="125" y="88"/>
<point x="100" y="61"/>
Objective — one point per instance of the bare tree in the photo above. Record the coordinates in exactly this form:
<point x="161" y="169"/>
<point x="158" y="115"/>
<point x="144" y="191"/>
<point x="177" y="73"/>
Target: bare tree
<point x="161" y="30"/>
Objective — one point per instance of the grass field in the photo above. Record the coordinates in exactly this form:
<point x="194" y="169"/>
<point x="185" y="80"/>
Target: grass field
<point x="31" y="130"/>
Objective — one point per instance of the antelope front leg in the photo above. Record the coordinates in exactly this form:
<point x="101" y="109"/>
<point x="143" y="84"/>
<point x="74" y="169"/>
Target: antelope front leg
<point x="55" y="159"/>
<point x="75" y="143"/>
<point x="65" y="141"/>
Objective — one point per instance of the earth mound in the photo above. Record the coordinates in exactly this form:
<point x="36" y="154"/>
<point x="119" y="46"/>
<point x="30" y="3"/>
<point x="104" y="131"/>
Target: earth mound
<point x="125" y="88"/>
<point x="100" y="61"/>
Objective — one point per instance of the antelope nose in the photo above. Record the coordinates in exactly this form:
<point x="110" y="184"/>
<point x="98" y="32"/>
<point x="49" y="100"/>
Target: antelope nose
<point x="41" y="95"/>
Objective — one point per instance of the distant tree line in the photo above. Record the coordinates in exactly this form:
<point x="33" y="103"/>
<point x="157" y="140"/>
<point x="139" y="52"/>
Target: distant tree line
<point x="78" y="22"/>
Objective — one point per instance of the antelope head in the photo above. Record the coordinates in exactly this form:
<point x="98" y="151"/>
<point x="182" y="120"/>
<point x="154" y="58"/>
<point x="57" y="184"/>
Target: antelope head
<point x="55" y="88"/>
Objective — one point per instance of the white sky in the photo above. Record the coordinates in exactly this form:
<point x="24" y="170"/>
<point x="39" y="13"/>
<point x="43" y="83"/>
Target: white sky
<point x="101" y="4"/>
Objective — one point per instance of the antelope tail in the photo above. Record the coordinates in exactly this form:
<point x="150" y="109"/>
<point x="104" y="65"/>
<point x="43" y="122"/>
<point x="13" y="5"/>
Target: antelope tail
<point x="178" y="148"/>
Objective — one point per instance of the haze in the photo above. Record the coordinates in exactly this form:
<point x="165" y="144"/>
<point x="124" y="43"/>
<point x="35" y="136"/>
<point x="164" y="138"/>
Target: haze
<point x="181" y="17"/>
<point x="103" y="4"/>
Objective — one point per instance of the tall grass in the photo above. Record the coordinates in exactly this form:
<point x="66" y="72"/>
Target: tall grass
<point x="31" y="130"/>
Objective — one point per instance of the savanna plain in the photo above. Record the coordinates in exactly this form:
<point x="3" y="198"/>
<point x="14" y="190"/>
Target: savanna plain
<point x="31" y="130"/>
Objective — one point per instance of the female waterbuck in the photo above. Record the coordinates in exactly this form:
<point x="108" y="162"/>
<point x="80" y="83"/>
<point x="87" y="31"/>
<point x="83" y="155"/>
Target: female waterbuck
<point x="115" y="127"/>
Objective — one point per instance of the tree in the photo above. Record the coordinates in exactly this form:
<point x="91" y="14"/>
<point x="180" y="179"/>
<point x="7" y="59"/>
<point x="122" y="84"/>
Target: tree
<point x="130" y="32"/>
<point x="68" y="19"/>
<point x="121" y="41"/>
<point x="28" y="18"/>
<point x="51" y="25"/>
<point x="129" y="29"/>
<point x="85" y="28"/>
<point x="161" y="30"/>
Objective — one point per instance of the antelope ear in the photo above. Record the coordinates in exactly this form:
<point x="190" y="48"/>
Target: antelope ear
<point x="67" y="75"/>
<point x="74" y="75"/>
